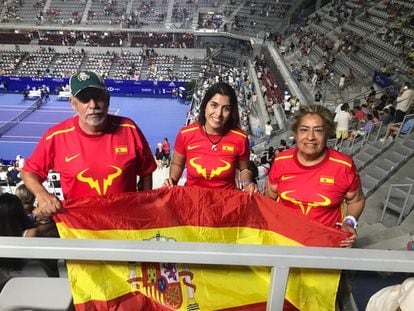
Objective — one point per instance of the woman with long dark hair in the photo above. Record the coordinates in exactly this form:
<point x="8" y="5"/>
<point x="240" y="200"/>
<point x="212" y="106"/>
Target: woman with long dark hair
<point x="214" y="148"/>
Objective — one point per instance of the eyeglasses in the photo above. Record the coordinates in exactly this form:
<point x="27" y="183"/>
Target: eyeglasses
<point x="97" y="95"/>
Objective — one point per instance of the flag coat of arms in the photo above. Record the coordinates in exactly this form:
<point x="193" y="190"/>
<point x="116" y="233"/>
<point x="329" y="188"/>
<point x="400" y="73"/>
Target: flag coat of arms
<point x="188" y="214"/>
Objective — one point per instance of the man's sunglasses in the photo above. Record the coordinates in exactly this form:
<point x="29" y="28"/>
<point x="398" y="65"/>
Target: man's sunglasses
<point x="86" y="95"/>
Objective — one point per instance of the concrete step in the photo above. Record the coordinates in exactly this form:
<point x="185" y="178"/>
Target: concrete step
<point x="366" y="229"/>
<point x="408" y="222"/>
<point x="397" y="243"/>
<point x="383" y="239"/>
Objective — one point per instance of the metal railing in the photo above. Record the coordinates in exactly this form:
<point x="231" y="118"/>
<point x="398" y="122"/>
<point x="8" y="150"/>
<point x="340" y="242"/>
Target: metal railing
<point x="280" y="258"/>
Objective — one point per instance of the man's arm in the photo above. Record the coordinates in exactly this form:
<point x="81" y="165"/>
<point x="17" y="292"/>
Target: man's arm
<point x="145" y="183"/>
<point x="176" y="169"/>
<point x="271" y="190"/>
<point x="47" y="203"/>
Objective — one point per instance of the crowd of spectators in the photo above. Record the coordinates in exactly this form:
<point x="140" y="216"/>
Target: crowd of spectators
<point x="352" y="45"/>
<point x="379" y="113"/>
<point x="144" y="64"/>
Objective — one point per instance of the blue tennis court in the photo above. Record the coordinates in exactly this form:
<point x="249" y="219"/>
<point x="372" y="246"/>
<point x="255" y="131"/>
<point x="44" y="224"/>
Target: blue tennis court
<point x="156" y="117"/>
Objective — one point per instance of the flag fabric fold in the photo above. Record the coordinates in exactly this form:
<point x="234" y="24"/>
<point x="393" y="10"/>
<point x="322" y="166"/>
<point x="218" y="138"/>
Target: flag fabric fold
<point x="188" y="214"/>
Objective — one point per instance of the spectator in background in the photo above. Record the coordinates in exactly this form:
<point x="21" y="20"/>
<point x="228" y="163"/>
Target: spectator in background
<point x="258" y="132"/>
<point x="3" y="86"/>
<point x="384" y="98"/>
<point x="27" y="198"/>
<point x="287" y="107"/>
<point x="365" y="109"/>
<point x="251" y="141"/>
<point x="341" y="82"/>
<point x="268" y="132"/>
<point x="270" y="154"/>
<point x="405" y="100"/>
<point x="393" y="129"/>
<point x="45" y="225"/>
<point x="159" y="155"/>
<point x="342" y="120"/>
<point x="365" y="129"/>
<point x="253" y="156"/>
<point x="351" y="77"/>
<point x="166" y="151"/>
<point x="283" y="146"/>
<point x="318" y="97"/>
<point x="263" y="168"/>
<point x="410" y="244"/>
<point x="13" y="176"/>
<point x="359" y="114"/>
<point x="371" y="97"/>
<point x="14" y="222"/>
<point x="19" y="162"/>
<point x="386" y="117"/>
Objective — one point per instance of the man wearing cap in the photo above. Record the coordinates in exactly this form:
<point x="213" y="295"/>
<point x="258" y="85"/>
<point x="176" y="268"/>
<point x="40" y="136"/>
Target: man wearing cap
<point x="95" y="153"/>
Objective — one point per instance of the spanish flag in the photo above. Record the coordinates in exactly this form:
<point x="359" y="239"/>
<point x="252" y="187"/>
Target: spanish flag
<point x="192" y="215"/>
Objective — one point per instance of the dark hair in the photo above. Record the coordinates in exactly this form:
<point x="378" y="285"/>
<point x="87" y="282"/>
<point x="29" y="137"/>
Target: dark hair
<point x="323" y="112"/>
<point x="13" y="218"/>
<point x="225" y="90"/>
<point x="26" y="196"/>
<point x="345" y="107"/>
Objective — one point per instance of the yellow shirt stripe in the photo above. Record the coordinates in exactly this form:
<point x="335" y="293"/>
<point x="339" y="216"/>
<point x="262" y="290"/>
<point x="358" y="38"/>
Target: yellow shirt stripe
<point x="127" y="125"/>
<point x="60" y="132"/>
<point x="284" y="157"/>
<point x="238" y="133"/>
<point x="189" y="130"/>
<point x="340" y="161"/>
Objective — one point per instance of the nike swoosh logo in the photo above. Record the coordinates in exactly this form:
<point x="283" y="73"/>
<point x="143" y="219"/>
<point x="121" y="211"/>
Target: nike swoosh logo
<point x="68" y="159"/>
<point x="192" y="147"/>
<point x="284" y="177"/>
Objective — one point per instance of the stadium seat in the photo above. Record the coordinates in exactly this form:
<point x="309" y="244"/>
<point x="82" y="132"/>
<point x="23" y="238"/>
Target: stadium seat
<point x="400" y="198"/>
<point x="36" y="293"/>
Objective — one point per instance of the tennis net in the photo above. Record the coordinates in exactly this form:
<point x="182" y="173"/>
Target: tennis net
<point x="20" y="117"/>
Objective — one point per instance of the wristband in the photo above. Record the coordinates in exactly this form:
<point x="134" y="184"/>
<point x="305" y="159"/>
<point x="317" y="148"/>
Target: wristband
<point x="246" y="169"/>
<point x="350" y="220"/>
<point x="246" y="182"/>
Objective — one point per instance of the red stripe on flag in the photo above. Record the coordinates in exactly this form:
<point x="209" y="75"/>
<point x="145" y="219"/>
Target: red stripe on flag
<point x="185" y="206"/>
<point x="131" y="301"/>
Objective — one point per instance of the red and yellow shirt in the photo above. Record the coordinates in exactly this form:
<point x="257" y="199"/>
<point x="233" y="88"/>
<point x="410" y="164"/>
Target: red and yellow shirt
<point x="207" y="167"/>
<point x="91" y="165"/>
<point x="316" y="191"/>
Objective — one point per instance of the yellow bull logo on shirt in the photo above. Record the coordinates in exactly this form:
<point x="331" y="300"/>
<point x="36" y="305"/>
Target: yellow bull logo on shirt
<point x="309" y="205"/>
<point x="214" y="171"/>
<point x="95" y="183"/>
